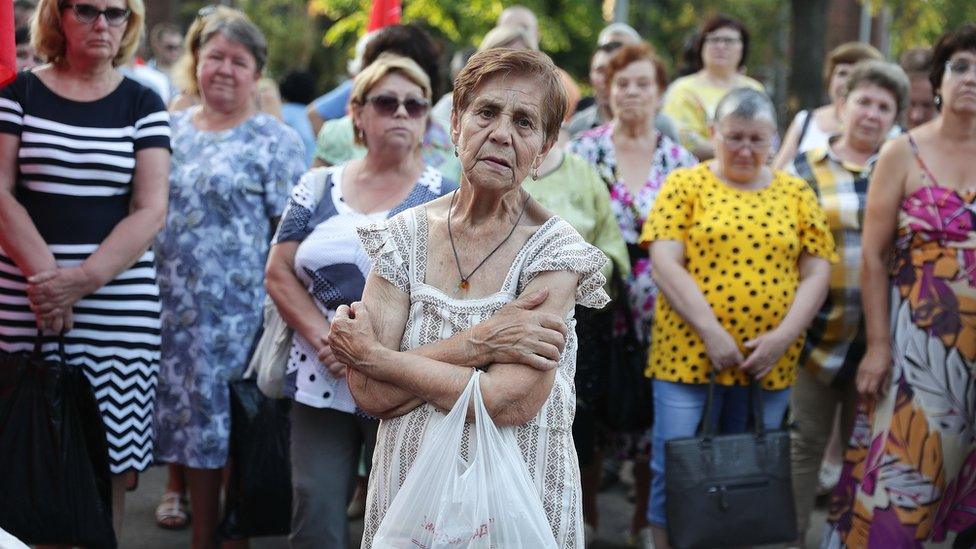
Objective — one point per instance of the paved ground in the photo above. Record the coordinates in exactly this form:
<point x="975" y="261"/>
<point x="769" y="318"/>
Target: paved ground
<point x="141" y="531"/>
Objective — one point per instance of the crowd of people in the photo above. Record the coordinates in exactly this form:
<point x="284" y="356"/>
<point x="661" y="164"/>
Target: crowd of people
<point x="408" y="235"/>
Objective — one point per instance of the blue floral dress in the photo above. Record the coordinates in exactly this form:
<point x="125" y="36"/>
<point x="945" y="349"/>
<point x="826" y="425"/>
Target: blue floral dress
<point x="225" y="188"/>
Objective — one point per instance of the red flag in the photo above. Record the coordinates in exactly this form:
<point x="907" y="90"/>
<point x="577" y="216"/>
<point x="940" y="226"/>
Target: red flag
<point x="383" y="13"/>
<point x="8" y="49"/>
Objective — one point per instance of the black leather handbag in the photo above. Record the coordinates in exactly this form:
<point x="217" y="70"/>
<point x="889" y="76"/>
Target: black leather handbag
<point x="730" y="490"/>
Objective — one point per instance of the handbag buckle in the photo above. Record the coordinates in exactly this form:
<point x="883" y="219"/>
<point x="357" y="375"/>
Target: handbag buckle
<point x="720" y="493"/>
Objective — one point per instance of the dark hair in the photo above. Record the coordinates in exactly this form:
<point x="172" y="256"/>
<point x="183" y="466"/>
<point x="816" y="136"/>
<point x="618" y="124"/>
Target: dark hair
<point x="409" y="41"/>
<point x="22" y="35"/>
<point x="609" y="47"/>
<point x="485" y="65"/>
<point x="297" y="87"/>
<point x="722" y="21"/>
<point x="690" y="55"/>
<point x="632" y="53"/>
<point x="961" y="39"/>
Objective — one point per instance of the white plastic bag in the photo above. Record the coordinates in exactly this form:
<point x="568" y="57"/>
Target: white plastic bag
<point x="444" y="502"/>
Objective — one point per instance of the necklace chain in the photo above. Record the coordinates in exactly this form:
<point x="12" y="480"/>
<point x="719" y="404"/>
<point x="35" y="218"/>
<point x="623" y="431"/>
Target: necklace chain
<point x="463" y="284"/>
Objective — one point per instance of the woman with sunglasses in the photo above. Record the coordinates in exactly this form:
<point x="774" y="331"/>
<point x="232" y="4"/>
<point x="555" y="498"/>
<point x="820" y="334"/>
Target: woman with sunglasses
<point x="317" y="264"/>
<point x="85" y="154"/>
<point x="908" y="473"/>
<point x="741" y="257"/>
<point x="233" y="168"/>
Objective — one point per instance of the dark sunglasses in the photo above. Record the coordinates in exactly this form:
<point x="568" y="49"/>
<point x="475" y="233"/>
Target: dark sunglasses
<point x="387" y="105"/>
<point x="87" y="14"/>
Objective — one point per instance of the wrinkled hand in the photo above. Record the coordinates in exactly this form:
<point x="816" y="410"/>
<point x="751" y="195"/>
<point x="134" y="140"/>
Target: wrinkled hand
<point x="351" y="338"/>
<point x="329" y="360"/>
<point x="722" y="350"/>
<point x="873" y="374"/>
<point x="517" y="334"/>
<point x="767" y="349"/>
<point x="58" y="289"/>
<point x="57" y="321"/>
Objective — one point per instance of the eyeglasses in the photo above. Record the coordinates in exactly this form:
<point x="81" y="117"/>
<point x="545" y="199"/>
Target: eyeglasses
<point x="722" y="40"/>
<point x="960" y="67"/>
<point x="387" y="105"/>
<point x="736" y="142"/>
<point x="87" y="14"/>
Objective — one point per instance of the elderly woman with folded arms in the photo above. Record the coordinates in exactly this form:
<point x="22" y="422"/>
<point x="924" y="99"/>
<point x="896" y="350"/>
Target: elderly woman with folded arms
<point x="454" y="264"/>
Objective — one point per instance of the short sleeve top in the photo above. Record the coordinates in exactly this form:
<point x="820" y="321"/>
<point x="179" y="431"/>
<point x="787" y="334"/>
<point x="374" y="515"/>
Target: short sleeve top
<point x="77" y="159"/>
<point x="742" y="248"/>
<point x="332" y="265"/>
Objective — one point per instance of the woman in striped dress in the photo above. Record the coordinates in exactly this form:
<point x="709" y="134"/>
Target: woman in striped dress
<point x="84" y="155"/>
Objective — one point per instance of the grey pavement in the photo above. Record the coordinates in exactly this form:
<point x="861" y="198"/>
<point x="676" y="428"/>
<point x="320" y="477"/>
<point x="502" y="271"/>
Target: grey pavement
<point x="141" y="532"/>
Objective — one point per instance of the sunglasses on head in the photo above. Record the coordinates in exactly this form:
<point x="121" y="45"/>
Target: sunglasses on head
<point x="87" y="14"/>
<point x="388" y="105"/>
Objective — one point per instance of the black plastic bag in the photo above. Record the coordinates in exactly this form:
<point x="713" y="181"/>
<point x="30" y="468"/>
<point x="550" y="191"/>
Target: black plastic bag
<point x="54" y="470"/>
<point x="259" y="490"/>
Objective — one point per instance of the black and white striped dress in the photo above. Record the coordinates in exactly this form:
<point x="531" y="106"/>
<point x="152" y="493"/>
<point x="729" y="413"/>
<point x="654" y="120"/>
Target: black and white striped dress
<point x="75" y="168"/>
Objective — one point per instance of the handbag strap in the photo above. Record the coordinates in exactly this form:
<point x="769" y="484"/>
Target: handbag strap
<point x="39" y="346"/>
<point x="755" y="409"/>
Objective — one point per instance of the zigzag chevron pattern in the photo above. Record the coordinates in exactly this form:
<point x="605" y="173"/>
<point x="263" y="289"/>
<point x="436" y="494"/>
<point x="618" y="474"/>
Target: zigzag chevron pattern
<point x="115" y="341"/>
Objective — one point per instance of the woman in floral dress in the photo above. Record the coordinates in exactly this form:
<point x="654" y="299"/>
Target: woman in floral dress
<point x="633" y="158"/>
<point x="909" y="477"/>
<point x="233" y="169"/>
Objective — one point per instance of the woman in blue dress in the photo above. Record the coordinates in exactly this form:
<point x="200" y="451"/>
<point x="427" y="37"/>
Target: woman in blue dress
<point x="233" y="168"/>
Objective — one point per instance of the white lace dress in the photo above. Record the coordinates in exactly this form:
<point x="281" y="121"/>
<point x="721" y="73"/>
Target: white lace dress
<point x="399" y="249"/>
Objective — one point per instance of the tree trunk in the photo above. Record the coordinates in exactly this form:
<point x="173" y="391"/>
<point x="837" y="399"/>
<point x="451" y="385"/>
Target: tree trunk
<point x="809" y="29"/>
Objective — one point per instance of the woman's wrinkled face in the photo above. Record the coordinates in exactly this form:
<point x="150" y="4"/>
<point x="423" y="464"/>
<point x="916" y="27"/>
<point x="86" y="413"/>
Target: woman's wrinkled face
<point x="868" y="114"/>
<point x="959" y="83"/>
<point x="838" y="81"/>
<point x="394" y="113"/>
<point x="722" y="48"/>
<point x="500" y="136"/>
<point x="742" y="146"/>
<point x="634" y="92"/>
<point x="227" y="73"/>
<point x="96" y="40"/>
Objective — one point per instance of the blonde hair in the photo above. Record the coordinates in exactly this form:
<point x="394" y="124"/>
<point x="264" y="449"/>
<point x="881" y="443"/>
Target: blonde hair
<point x="48" y="39"/>
<point x="498" y="37"/>
<point x="385" y="64"/>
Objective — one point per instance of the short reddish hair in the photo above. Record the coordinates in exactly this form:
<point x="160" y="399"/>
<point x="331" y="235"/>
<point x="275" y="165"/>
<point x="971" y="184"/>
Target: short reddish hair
<point x="632" y="53"/>
<point x="488" y="64"/>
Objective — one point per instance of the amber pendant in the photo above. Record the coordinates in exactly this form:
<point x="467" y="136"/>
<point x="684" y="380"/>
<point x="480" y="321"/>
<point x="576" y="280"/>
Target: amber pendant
<point x="463" y="285"/>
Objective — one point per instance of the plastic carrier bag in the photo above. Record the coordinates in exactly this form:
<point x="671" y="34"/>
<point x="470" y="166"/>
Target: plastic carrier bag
<point x="488" y="502"/>
<point x="55" y="486"/>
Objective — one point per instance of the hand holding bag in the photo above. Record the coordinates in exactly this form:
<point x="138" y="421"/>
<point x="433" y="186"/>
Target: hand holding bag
<point x="486" y="502"/>
<point x="270" y="358"/>
<point x="730" y="490"/>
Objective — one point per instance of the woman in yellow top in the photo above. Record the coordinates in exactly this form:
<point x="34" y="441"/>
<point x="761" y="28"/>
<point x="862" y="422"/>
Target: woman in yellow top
<point x="741" y="256"/>
<point x="723" y="44"/>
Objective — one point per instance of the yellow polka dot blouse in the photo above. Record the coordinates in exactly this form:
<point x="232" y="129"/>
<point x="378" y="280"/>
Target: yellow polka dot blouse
<point x="742" y="248"/>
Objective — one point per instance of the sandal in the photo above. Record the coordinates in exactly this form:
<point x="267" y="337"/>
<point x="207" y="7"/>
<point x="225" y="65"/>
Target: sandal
<point x="171" y="513"/>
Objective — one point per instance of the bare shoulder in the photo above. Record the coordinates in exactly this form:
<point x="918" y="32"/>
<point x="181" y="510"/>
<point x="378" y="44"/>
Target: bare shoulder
<point x="536" y="214"/>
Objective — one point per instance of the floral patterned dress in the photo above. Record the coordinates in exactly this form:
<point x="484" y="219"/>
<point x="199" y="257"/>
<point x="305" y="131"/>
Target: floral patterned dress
<point x="225" y="188"/>
<point x="631" y="209"/>
<point x="909" y="477"/>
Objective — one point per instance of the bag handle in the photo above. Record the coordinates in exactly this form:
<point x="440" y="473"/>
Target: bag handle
<point x="39" y="344"/>
<point x="755" y="410"/>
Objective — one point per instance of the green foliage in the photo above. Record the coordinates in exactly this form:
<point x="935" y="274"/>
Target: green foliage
<point x="291" y="33"/>
<point x="920" y="23"/>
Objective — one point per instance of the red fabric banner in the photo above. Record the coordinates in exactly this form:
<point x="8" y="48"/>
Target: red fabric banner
<point x="383" y="13"/>
<point x="8" y="50"/>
